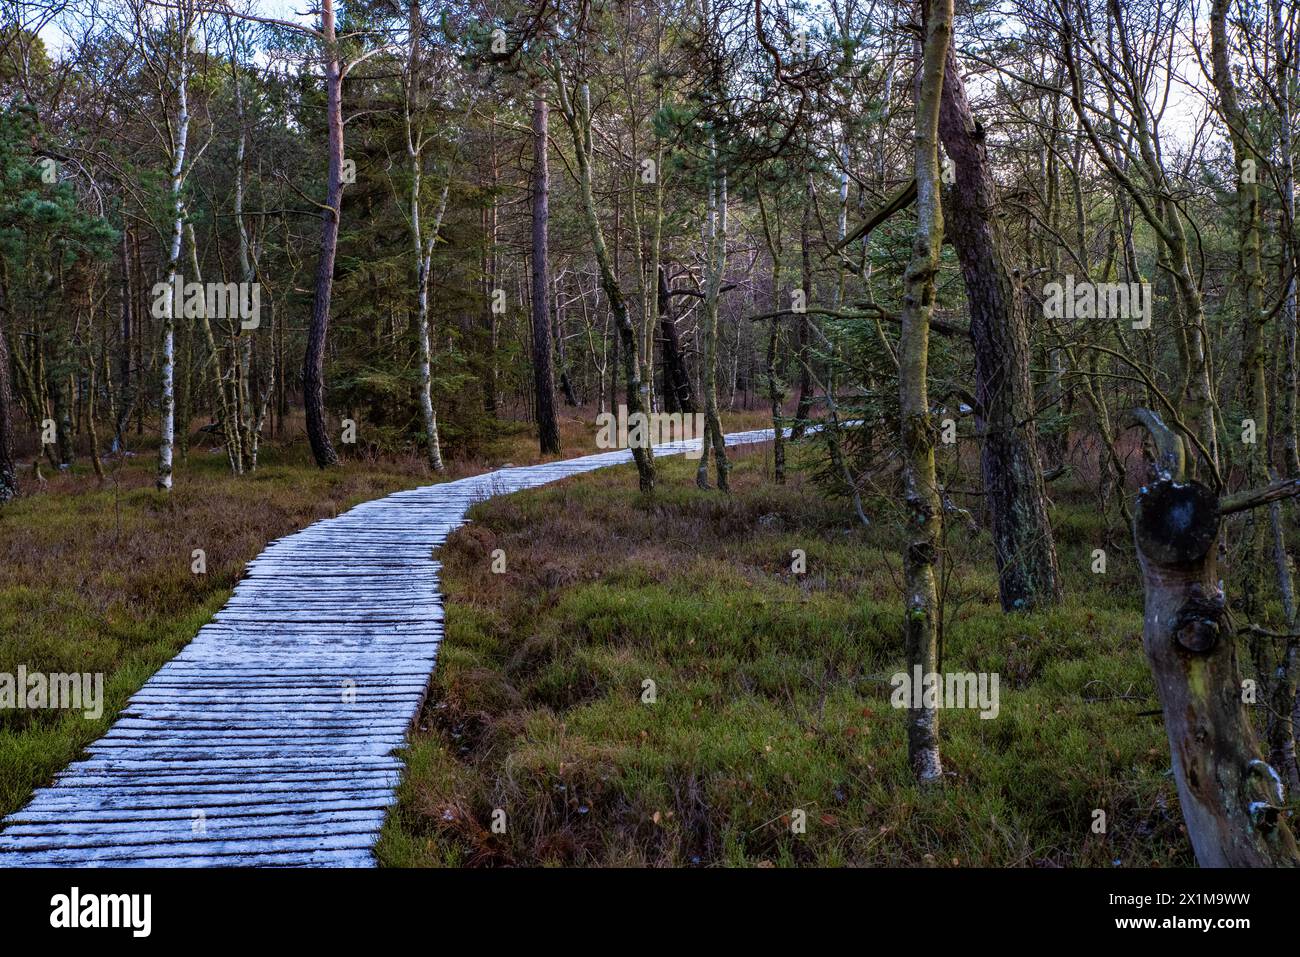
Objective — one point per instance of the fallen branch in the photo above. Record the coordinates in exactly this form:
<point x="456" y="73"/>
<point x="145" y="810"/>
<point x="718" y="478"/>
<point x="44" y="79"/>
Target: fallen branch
<point x="900" y="199"/>
<point x="1261" y="632"/>
<point x="1254" y="498"/>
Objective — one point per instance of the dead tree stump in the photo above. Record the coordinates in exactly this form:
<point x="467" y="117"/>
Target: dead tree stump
<point x="1231" y="797"/>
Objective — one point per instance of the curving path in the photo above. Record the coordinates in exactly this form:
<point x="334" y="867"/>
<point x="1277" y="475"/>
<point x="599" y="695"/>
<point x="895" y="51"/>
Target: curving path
<point x="269" y="739"/>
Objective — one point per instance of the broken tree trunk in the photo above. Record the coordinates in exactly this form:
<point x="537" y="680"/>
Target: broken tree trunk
<point x="1231" y="797"/>
<point x="677" y="378"/>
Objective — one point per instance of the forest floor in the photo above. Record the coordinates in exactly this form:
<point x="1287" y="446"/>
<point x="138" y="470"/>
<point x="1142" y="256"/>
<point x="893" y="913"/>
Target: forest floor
<point x="97" y="577"/>
<point x="771" y="692"/>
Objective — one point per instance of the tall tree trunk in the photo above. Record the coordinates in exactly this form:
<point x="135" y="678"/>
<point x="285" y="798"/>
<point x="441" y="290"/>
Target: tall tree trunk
<point x="1013" y="478"/>
<point x="313" y="375"/>
<point x="653" y="302"/>
<point x="1286" y="73"/>
<point x="803" y="342"/>
<point x="577" y="115"/>
<point x="126" y="389"/>
<point x="423" y="254"/>
<point x="491" y="385"/>
<point x="8" y="468"/>
<point x="168" y="395"/>
<point x="548" y="428"/>
<point x="775" y="387"/>
<point x="91" y="430"/>
<point x="1250" y="277"/>
<point x="920" y="482"/>
<point x="57" y="384"/>
<point x="1273" y="663"/>
<point x="716" y="256"/>
<point x="1288" y="317"/>
<point x="424" y="266"/>
<point x="243" y="339"/>
<point x="561" y="357"/>
<point x="224" y="386"/>
<point x="141" y="315"/>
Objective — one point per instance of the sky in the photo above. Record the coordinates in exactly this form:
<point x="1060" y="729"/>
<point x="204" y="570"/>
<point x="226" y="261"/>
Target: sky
<point x="1186" y="105"/>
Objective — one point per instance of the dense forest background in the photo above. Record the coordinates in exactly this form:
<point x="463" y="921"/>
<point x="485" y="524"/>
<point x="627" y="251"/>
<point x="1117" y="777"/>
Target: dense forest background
<point x="974" y="260"/>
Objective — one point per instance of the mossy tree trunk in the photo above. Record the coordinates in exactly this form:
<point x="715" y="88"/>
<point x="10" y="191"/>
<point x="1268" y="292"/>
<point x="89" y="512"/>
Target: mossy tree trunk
<point x="920" y="483"/>
<point x="576" y="109"/>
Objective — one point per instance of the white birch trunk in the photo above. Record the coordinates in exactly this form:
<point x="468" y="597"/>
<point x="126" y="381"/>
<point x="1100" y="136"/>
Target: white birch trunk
<point x="167" y="437"/>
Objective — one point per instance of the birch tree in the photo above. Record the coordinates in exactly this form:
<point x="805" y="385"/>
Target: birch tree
<point x="178" y="141"/>
<point x="422" y="248"/>
<point x="920" y="483"/>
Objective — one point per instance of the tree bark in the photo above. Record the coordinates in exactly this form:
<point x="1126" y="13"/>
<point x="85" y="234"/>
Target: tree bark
<point x="491" y="384"/>
<point x="920" y="483"/>
<point x="802" y="343"/>
<point x="548" y="429"/>
<point x="1012" y="472"/>
<point x="8" y="468"/>
<point x="126" y="389"/>
<point x="245" y="415"/>
<point x="775" y="386"/>
<point x="168" y="396"/>
<point x="716" y="257"/>
<point x="313" y="374"/>
<point x="222" y="386"/>
<point x="1250" y="279"/>
<point x="561" y="357"/>
<point x="677" y="378"/>
<point x="1286" y="164"/>
<point x="423" y="253"/>
<point x="1231" y="798"/>
<point x="1274" y="671"/>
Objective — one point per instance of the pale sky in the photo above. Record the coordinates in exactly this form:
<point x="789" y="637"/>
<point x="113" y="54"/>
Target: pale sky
<point x="1186" y="104"/>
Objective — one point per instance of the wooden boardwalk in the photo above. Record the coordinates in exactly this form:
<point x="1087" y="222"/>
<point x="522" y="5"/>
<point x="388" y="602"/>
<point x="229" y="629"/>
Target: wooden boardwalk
<point x="268" y="741"/>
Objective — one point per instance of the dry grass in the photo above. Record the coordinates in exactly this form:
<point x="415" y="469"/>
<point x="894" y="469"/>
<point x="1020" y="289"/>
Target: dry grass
<point x="96" y="577"/>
